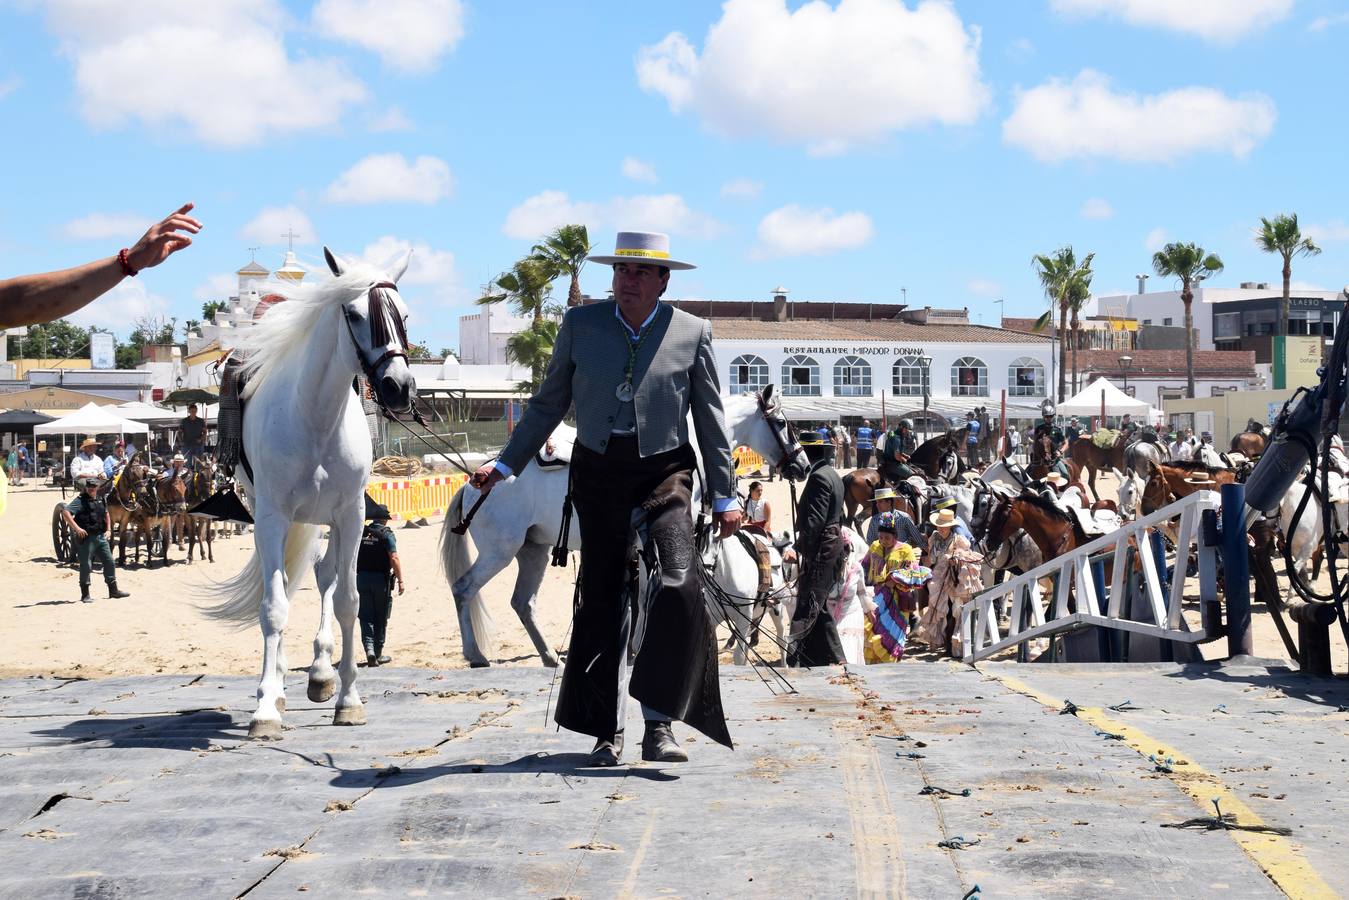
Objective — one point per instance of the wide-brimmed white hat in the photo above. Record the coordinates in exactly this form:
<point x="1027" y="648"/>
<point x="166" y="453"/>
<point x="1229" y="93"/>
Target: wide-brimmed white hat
<point x="943" y="518"/>
<point x="650" y="247"/>
<point x="1055" y="478"/>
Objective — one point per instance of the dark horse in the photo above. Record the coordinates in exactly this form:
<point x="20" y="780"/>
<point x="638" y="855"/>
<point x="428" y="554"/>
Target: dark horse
<point x="936" y="459"/>
<point x="1093" y="459"/>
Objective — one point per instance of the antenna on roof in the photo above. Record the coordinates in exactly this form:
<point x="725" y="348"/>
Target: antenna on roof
<point x="253" y="254"/>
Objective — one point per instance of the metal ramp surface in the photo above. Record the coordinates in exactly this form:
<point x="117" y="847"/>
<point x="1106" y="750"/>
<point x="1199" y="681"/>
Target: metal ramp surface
<point x="147" y="787"/>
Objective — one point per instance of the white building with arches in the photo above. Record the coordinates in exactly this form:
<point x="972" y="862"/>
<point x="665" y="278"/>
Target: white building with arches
<point x="848" y="370"/>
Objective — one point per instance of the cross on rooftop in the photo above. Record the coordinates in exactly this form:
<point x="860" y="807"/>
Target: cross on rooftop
<point x="290" y="237"/>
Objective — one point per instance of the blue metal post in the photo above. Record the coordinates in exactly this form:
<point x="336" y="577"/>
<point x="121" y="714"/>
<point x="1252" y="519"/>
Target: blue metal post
<point x="1107" y="635"/>
<point x="1236" y="571"/>
<point x="1158" y="546"/>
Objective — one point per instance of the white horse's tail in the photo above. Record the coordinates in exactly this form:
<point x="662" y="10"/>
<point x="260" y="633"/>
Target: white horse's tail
<point x="455" y="561"/>
<point x="243" y="592"/>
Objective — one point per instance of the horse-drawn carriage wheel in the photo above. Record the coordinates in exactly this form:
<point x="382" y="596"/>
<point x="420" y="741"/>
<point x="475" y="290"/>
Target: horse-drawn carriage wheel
<point x="158" y="538"/>
<point x="62" y="540"/>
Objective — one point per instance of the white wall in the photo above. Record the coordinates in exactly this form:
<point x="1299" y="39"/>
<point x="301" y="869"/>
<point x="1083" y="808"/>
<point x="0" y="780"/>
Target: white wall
<point x="882" y="356"/>
<point x="483" y="335"/>
<point x="1148" y="389"/>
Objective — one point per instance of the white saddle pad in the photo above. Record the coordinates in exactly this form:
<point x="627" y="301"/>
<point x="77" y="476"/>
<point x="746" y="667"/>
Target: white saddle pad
<point x="563" y="440"/>
<point x="1103" y="521"/>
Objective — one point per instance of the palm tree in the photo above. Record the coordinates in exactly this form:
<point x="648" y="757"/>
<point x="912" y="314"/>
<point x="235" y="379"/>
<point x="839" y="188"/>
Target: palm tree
<point x="1282" y="236"/>
<point x="1064" y="280"/>
<point x="1189" y="263"/>
<point x="527" y="287"/>
<point x="1079" y="292"/>
<point x="566" y="250"/>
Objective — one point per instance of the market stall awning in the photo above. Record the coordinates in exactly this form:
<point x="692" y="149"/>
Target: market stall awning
<point x="829" y="409"/>
<point x="144" y="412"/>
<point x="23" y="420"/>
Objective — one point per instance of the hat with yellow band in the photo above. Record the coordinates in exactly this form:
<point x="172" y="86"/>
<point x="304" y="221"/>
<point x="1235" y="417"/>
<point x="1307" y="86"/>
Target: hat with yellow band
<point x="648" y="247"/>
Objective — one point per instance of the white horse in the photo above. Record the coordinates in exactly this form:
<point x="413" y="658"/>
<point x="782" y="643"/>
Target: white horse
<point x="305" y="436"/>
<point x="521" y="518"/>
<point x="1310" y="528"/>
<point x="1131" y="488"/>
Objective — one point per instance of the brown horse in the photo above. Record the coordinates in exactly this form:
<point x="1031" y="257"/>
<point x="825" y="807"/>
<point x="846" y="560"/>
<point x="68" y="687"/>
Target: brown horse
<point x="164" y="499"/>
<point x="858" y="487"/>
<point x="200" y="483"/>
<point x="1168" y="482"/>
<point x="1097" y="459"/>
<point x="1054" y="531"/>
<point x="1250" y="444"/>
<point x="124" y="496"/>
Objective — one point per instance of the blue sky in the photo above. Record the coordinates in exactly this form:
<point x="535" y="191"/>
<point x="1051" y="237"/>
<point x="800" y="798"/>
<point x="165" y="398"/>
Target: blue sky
<point x="845" y="150"/>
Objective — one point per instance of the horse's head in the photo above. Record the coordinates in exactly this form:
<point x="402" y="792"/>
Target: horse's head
<point x="377" y="323"/>
<point x="1004" y="520"/>
<point x="767" y="431"/>
<point x="1156" y="492"/>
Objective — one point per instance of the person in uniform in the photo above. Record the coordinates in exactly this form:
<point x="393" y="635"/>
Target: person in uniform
<point x="638" y="371"/>
<point x="377" y="569"/>
<point x="865" y="441"/>
<point x="87" y="517"/>
<point x="1047" y="428"/>
<point x="819" y="544"/>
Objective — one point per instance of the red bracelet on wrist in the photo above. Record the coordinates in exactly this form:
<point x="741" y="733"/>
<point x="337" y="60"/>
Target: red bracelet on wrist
<point x="122" y="257"/>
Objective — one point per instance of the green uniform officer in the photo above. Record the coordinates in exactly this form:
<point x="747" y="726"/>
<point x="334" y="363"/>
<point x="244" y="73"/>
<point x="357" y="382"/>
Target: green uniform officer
<point x="87" y="516"/>
<point x="377" y="568"/>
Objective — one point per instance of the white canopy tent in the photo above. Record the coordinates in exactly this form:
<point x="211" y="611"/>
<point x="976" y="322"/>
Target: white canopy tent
<point x="1088" y="401"/>
<point x="92" y="419"/>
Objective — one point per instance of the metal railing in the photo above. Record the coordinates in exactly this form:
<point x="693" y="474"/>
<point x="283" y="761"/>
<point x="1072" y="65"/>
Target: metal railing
<point x="1080" y="600"/>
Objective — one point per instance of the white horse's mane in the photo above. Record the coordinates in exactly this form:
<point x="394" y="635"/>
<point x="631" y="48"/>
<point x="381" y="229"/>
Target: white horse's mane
<point x="275" y="340"/>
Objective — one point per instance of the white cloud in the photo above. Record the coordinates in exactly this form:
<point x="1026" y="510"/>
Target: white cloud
<point x="428" y="266"/>
<point x="1215" y="20"/>
<point x="409" y="35"/>
<point x="219" y="286"/>
<point x="1097" y="208"/>
<point x="390" y="178"/>
<point x="1156" y="239"/>
<point x="106" y="226"/>
<point x="1322" y="23"/>
<point x="824" y="76"/>
<point x="219" y="71"/>
<point x="392" y="119"/>
<point x="1084" y="118"/>
<point x="638" y="170"/>
<point x="269" y="226"/>
<point x="1334" y="230"/>
<point x="1020" y="50"/>
<point x="8" y="86"/>
<point x="793" y="230"/>
<point x="119" y="308"/>
<point x="984" y="287"/>
<point x="644" y="212"/>
<point x="746" y="188"/>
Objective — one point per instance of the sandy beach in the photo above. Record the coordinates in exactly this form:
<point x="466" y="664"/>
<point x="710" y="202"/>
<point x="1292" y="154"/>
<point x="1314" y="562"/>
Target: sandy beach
<point x="161" y="628"/>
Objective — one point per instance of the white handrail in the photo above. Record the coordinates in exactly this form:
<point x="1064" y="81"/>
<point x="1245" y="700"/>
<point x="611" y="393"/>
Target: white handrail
<point x="979" y="632"/>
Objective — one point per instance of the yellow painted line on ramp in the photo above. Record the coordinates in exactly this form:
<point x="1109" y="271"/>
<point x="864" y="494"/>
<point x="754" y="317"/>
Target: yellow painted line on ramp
<point x="1278" y="857"/>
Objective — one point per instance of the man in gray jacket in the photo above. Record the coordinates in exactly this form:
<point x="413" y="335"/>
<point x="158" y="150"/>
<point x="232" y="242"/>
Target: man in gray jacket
<point x="635" y="369"/>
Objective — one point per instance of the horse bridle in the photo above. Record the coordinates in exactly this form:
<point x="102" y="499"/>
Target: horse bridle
<point x="379" y="311"/>
<point x="788" y="450"/>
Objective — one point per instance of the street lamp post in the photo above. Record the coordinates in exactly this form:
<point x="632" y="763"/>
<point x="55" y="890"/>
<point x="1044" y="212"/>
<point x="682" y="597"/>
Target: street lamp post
<point x="926" y="363"/>
<point x="1125" y="363"/>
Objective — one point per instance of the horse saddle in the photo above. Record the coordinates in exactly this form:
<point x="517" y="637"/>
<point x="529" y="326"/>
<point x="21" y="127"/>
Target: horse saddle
<point x="1095" y="524"/>
<point x="563" y="441"/>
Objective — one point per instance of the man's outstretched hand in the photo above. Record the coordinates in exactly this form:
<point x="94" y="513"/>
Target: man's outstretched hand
<point x="164" y="239"/>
